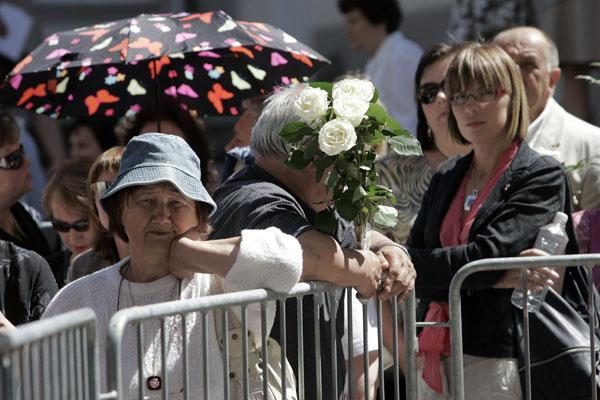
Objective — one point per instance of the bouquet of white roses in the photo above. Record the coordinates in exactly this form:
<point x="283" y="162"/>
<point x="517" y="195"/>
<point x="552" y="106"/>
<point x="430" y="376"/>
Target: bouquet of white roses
<point x="340" y="126"/>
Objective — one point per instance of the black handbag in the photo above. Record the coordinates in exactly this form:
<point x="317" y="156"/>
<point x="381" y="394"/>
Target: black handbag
<point x="560" y="343"/>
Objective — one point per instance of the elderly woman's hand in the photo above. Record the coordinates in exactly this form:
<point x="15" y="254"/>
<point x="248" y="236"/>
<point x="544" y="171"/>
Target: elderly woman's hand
<point x="180" y="263"/>
<point x="400" y="274"/>
<point x="537" y="278"/>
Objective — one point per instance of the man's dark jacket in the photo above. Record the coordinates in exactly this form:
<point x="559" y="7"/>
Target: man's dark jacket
<point x="526" y="197"/>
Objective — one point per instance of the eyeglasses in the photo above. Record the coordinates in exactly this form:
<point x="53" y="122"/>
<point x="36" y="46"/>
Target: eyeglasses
<point x="14" y="160"/>
<point x="100" y="187"/>
<point x="481" y="96"/>
<point x="80" y="226"/>
<point x="428" y="92"/>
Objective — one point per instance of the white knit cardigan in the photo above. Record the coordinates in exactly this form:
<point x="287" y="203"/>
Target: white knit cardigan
<point x="267" y="259"/>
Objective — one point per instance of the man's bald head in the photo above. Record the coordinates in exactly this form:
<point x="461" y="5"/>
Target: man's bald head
<point x="536" y="54"/>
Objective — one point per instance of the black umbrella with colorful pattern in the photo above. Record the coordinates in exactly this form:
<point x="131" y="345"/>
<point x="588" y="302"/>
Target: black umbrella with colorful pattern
<point x="207" y="61"/>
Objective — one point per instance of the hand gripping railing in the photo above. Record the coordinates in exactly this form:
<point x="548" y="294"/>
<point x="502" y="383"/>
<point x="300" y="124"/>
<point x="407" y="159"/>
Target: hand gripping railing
<point x="495" y="264"/>
<point x="51" y="359"/>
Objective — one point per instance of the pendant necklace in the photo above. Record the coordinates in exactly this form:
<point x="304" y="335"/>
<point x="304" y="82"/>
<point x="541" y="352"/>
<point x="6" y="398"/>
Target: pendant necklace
<point x="154" y="381"/>
<point x="470" y="200"/>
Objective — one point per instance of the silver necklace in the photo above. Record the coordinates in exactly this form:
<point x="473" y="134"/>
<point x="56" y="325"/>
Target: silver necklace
<point x="154" y="381"/>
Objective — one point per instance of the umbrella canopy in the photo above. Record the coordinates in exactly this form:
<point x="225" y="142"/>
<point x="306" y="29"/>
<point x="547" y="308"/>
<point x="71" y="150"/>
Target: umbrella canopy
<point x="207" y="61"/>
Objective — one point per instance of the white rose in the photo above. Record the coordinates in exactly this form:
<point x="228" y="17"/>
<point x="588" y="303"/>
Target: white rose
<point x="311" y="104"/>
<point x="351" y="109"/>
<point x="336" y="136"/>
<point x="360" y="88"/>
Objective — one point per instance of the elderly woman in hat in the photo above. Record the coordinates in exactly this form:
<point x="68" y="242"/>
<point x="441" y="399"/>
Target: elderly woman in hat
<point x="158" y="205"/>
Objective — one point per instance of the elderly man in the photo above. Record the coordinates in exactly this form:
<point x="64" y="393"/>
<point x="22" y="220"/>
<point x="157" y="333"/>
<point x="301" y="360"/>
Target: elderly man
<point x="553" y="130"/>
<point x="271" y="193"/>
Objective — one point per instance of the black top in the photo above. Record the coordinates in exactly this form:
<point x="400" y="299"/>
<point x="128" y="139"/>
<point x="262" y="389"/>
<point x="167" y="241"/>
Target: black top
<point x="26" y="284"/>
<point x="30" y="237"/>
<point x="526" y="197"/>
<point x="253" y="199"/>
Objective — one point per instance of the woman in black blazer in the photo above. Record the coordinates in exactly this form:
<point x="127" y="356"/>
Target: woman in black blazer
<point x="490" y="203"/>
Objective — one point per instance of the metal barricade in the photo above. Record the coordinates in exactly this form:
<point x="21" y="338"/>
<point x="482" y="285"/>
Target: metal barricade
<point x="51" y="359"/>
<point x="495" y="264"/>
<point x="308" y="376"/>
<point x="203" y="308"/>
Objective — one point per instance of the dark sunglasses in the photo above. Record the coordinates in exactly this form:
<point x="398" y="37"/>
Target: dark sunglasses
<point x="80" y="226"/>
<point x="14" y="160"/>
<point x="428" y="92"/>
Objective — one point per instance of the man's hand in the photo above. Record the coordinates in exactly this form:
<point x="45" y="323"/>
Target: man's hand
<point x="372" y="268"/>
<point x="5" y="324"/>
<point x="400" y="274"/>
<point x="537" y="278"/>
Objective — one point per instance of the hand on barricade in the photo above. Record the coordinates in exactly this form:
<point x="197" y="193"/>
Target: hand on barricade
<point x="537" y="278"/>
<point x="372" y="269"/>
<point x="399" y="277"/>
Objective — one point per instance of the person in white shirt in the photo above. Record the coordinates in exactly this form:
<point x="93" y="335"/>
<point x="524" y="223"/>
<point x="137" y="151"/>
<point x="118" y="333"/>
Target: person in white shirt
<point x="552" y="130"/>
<point x="372" y="26"/>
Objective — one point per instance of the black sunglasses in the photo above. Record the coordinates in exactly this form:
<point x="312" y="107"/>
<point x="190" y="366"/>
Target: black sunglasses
<point x="428" y="92"/>
<point x="80" y="226"/>
<point x="14" y="160"/>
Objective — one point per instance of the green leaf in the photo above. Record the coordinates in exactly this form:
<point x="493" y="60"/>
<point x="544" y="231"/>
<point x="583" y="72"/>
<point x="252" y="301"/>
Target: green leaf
<point x="326" y="222"/>
<point x="326" y="86"/>
<point x="322" y="164"/>
<point x="297" y="160"/>
<point x="376" y="137"/>
<point x="346" y="210"/>
<point x="386" y="216"/>
<point x="358" y="194"/>
<point x="405" y="146"/>
<point x="392" y="124"/>
<point x="294" y="131"/>
<point x="311" y="149"/>
<point x="377" y="112"/>
<point x="332" y="179"/>
<point x="375" y="96"/>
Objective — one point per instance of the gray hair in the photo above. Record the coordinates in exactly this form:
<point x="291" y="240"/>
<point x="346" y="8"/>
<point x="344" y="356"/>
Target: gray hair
<point x="278" y="111"/>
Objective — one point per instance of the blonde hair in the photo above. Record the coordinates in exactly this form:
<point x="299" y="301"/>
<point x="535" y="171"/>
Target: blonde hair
<point x="489" y="66"/>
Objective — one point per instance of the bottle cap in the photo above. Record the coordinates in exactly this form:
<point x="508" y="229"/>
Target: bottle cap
<point x="561" y="217"/>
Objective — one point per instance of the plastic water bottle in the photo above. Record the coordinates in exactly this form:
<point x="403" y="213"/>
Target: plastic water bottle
<point x="553" y="239"/>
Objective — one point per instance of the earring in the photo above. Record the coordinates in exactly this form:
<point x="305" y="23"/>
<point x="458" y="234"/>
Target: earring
<point x="429" y="134"/>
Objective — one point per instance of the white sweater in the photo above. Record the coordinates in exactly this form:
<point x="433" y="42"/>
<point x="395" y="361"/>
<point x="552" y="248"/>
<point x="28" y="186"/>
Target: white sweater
<point x="267" y="258"/>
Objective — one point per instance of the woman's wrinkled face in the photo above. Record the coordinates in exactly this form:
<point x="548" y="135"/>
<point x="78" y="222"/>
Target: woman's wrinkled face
<point x="154" y="214"/>
<point x="76" y="240"/>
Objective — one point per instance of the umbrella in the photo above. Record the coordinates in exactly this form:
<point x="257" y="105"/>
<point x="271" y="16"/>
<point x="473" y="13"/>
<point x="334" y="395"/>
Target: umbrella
<point x="207" y="61"/>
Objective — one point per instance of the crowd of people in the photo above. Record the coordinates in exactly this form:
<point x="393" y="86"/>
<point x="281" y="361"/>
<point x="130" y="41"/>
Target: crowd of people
<point x="148" y="221"/>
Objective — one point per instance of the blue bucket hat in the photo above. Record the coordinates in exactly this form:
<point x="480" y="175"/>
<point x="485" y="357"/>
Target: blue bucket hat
<point x="157" y="157"/>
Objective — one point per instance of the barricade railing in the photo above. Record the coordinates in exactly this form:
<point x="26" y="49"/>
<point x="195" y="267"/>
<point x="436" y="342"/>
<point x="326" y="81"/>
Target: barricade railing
<point x="51" y="359"/>
<point x="324" y="295"/>
<point x="523" y="263"/>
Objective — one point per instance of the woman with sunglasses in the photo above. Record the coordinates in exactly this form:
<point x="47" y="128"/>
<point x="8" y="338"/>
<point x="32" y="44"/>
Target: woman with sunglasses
<point x="65" y="201"/>
<point x="107" y="248"/>
<point x="489" y="203"/>
<point x="409" y="176"/>
<point x="18" y="222"/>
